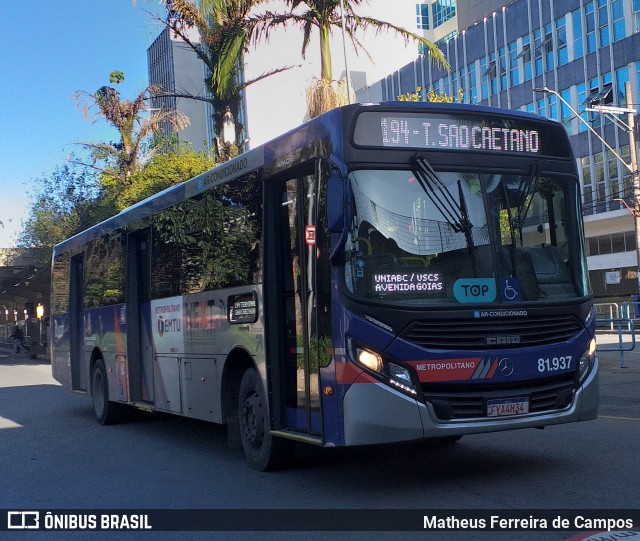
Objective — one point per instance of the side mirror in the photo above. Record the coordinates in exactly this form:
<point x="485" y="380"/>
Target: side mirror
<point x="339" y="214"/>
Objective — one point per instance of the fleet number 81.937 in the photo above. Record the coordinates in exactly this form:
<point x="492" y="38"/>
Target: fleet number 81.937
<point x="554" y="363"/>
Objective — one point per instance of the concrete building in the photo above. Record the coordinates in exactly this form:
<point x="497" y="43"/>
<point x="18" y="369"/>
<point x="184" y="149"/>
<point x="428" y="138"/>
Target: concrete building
<point x="585" y="50"/>
<point x="175" y="66"/>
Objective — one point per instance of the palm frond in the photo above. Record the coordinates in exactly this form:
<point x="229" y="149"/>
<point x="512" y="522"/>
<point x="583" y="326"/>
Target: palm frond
<point x="263" y="24"/>
<point x="354" y="22"/>
<point x="265" y="75"/>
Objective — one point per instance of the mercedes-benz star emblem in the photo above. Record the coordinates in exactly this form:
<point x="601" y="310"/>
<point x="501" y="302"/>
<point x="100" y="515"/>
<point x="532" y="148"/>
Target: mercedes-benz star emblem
<point x="505" y="366"/>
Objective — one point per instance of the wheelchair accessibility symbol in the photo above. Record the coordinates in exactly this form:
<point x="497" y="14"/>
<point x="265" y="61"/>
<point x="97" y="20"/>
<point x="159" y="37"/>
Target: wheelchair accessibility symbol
<point x="510" y="289"/>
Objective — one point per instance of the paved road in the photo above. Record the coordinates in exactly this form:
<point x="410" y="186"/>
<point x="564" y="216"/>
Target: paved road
<point x="54" y="455"/>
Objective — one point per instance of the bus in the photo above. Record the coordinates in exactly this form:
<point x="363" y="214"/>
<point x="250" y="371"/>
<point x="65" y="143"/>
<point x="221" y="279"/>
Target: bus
<point x="383" y="273"/>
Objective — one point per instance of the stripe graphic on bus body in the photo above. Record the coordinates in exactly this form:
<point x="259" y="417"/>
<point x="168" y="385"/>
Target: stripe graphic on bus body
<point x="455" y="369"/>
<point x="430" y="371"/>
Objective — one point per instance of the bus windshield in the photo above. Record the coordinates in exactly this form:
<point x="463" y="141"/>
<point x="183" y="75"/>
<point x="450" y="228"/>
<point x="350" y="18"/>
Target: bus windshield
<point x="424" y="237"/>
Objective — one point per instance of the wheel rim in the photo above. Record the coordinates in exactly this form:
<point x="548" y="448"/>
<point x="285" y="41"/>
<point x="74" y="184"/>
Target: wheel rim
<point x="253" y="420"/>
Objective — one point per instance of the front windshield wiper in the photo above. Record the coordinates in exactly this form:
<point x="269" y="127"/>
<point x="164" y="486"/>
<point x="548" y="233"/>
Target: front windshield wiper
<point x="455" y="214"/>
<point x="527" y="188"/>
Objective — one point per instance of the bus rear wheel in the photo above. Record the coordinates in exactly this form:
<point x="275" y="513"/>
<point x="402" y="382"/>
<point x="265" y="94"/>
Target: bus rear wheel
<point x="264" y="452"/>
<point x="107" y="412"/>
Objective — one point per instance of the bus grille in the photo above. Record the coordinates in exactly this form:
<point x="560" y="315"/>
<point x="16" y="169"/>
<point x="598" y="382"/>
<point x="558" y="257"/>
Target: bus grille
<point x="472" y="404"/>
<point x="494" y="332"/>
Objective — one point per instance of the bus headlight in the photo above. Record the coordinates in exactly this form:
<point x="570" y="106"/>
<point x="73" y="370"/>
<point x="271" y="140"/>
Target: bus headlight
<point x="586" y="361"/>
<point x="369" y="359"/>
<point x="394" y="374"/>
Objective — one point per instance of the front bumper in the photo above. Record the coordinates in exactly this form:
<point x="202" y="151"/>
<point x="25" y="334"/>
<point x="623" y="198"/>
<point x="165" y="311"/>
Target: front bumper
<point x="375" y="413"/>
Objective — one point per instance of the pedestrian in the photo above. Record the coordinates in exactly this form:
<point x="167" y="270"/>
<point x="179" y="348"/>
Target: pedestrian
<point x="18" y="340"/>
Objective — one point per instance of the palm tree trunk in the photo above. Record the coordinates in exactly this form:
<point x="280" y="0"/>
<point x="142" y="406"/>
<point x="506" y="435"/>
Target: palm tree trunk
<point x="325" y="54"/>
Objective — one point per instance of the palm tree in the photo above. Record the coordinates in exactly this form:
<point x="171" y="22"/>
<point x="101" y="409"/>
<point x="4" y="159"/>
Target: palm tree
<point x="128" y="118"/>
<point x="225" y="30"/>
<point x="326" y="15"/>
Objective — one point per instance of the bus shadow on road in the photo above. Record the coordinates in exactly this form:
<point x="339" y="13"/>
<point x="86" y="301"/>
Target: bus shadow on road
<point x="478" y="456"/>
<point x="488" y="459"/>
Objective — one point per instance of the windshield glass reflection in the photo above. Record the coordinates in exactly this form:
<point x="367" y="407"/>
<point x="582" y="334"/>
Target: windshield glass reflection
<point x="423" y="236"/>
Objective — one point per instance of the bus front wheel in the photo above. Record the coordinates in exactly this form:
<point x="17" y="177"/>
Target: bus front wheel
<point x="264" y="452"/>
<point x="106" y="412"/>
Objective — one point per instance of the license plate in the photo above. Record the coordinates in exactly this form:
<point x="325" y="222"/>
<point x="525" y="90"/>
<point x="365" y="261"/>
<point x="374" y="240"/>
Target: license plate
<point x="504" y="407"/>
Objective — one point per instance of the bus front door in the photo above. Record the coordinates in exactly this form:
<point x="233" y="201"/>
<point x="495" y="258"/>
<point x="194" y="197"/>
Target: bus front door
<point x="138" y="313"/>
<point x="297" y="216"/>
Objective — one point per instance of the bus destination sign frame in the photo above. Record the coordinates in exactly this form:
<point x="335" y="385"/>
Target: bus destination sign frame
<point x="467" y="133"/>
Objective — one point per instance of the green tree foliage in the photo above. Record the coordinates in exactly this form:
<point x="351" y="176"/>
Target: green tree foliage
<point x="162" y="171"/>
<point x="66" y="202"/>
<point x="74" y="197"/>
<point x="430" y="96"/>
<point x="116" y="77"/>
<point x="134" y="123"/>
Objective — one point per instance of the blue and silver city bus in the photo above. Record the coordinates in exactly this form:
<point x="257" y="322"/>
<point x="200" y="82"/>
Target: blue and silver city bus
<point x="382" y="273"/>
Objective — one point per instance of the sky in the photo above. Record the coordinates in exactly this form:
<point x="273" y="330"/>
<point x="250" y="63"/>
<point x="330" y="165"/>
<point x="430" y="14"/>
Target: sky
<point x="48" y="51"/>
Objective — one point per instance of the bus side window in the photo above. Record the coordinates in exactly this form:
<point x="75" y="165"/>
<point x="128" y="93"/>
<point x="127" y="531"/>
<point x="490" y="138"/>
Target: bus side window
<point x="165" y="274"/>
<point x="60" y="284"/>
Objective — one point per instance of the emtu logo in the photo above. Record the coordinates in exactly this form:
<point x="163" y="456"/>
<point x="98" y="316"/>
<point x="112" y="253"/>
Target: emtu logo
<point x="168" y="325"/>
<point x="474" y="290"/>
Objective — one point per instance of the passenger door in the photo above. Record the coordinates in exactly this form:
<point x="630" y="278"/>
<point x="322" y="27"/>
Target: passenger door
<point x="297" y="253"/>
<point x="76" y="324"/>
<point x="138" y="315"/>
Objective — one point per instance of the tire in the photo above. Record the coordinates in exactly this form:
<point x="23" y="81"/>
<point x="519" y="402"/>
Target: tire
<point x="106" y="412"/>
<point x="264" y="452"/>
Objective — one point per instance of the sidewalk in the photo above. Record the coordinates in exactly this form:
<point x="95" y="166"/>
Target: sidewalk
<point x="619" y="387"/>
<point x="619" y="356"/>
<point x="622" y="348"/>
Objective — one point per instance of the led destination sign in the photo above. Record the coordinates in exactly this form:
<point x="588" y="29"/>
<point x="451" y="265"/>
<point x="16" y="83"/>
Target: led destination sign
<point x="408" y="283"/>
<point x="468" y="133"/>
<point x="405" y="132"/>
